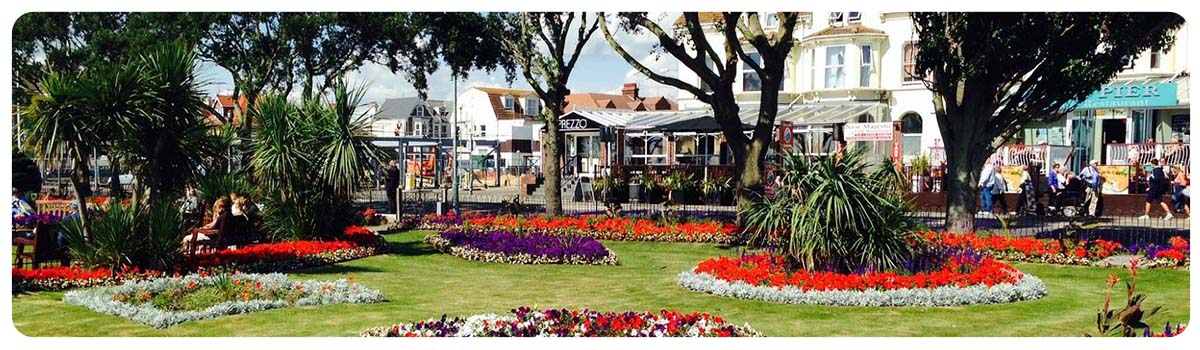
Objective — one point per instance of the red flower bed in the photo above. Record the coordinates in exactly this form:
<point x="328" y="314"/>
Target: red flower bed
<point x="356" y="242"/>
<point x="602" y="227"/>
<point x="1052" y="251"/>
<point x="765" y="269"/>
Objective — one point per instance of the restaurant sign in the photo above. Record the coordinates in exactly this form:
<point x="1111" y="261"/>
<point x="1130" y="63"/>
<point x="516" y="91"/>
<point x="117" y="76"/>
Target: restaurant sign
<point x="575" y="122"/>
<point x="1132" y="96"/>
<point x="868" y="131"/>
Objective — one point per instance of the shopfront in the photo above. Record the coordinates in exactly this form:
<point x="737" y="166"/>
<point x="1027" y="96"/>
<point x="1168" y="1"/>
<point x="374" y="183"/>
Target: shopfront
<point x="1120" y="124"/>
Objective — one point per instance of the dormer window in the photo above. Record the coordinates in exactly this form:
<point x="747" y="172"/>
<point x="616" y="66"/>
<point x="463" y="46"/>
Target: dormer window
<point x="531" y="106"/>
<point x="420" y="111"/>
<point x="835" y="18"/>
<point x="853" y="17"/>
<point x="508" y="102"/>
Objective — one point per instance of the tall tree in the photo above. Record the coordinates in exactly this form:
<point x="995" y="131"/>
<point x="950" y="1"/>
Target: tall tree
<point x="547" y="46"/>
<point x="717" y="72"/>
<point x="992" y="73"/>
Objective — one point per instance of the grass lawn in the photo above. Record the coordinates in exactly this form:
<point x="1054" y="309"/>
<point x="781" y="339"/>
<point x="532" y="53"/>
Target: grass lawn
<point x="420" y="283"/>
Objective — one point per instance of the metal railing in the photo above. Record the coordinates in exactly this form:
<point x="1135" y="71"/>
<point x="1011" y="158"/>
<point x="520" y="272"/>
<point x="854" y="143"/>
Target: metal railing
<point x="1141" y="153"/>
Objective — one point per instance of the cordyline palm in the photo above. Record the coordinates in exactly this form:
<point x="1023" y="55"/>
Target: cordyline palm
<point x="167" y="141"/>
<point x="72" y="113"/>
<point x="835" y="214"/>
<point x="344" y="153"/>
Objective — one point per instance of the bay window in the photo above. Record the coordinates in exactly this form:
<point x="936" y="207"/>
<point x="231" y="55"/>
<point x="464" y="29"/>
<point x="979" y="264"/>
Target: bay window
<point x="835" y="67"/>
<point x="864" y="73"/>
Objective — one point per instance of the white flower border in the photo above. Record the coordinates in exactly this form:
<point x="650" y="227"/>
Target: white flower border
<point x="1028" y="287"/>
<point x="443" y="245"/>
<point x="318" y="293"/>
<point x="474" y="326"/>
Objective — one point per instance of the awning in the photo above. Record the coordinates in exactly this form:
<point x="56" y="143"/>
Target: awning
<point x="702" y="124"/>
<point x="702" y="119"/>
<point x="824" y="113"/>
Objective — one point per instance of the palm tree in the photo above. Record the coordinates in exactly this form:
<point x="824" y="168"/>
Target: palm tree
<point x="70" y="113"/>
<point x="167" y="140"/>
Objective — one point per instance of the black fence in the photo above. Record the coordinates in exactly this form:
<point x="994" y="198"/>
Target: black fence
<point x="1128" y="230"/>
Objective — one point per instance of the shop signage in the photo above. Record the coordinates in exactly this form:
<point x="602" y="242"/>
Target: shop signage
<point x="785" y="135"/>
<point x="575" y="122"/>
<point x="1132" y="96"/>
<point x="868" y="131"/>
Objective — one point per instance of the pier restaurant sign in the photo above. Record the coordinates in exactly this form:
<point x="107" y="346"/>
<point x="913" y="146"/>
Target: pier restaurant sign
<point x="1132" y="95"/>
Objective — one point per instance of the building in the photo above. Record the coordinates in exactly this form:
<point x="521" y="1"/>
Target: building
<point x="224" y="104"/>
<point x="509" y="117"/>
<point x="411" y="116"/>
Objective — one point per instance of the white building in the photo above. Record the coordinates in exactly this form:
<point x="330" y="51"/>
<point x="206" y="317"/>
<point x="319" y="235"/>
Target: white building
<point x="850" y="67"/>
<point x="411" y="116"/>
<point x="505" y="116"/>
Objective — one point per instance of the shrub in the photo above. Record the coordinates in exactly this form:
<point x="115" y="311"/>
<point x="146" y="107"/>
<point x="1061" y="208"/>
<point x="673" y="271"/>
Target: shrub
<point x="835" y="214"/>
<point x="122" y="236"/>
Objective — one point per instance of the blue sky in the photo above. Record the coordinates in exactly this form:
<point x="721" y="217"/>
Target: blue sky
<point x="599" y="70"/>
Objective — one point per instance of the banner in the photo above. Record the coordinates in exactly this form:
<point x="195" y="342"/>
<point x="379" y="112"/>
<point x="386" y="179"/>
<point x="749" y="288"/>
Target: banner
<point x="1116" y="178"/>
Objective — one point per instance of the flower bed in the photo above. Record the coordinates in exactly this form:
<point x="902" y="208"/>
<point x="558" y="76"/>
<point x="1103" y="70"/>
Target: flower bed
<point x="512" y="248"/>
<point x="165" y="302"/>
<point x="525" y="322"/>
<point x="960" y="280"/>
<point x="1051" y="251"/>
<point x="598" y="227"/>
<point x="356" y="242"/>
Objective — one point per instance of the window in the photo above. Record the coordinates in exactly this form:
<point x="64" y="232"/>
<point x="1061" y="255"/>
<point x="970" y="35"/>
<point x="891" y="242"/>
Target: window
<point x="835" y="18"/>
<point x="750" y="79"/>
<point x="508" y="102"/>
<point x="835" y="67"/>
<point x="812" y="69"/>
<point x="768" y="19"/>
<point x="864" y="72"/>
<point x="854" y="17"/>
<point x="910" y="62"/>
<point x="645" y="150"/>
<point x="531" y="105"/>
<point x="483" y="131"/>
<point x="1155" y="58"/>
<point x="911" y="126"/>
<point x="696" y="149"/>
<point x="419" y="111"/>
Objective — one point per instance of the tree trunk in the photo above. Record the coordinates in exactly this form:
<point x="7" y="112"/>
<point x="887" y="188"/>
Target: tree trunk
<point x="964" y="162"/>
<point x="116" y="190"/>
<point x="752" y="181"/>
<point x="552" y="166"/>
<point x="79" y="182"/>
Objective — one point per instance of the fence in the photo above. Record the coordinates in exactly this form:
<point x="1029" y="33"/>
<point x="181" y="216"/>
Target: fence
<point x="1119" y="226"/>
<point x="1141" y="153"/>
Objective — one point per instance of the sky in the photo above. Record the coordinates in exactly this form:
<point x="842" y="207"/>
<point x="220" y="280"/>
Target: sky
<point x="599" y="69"/>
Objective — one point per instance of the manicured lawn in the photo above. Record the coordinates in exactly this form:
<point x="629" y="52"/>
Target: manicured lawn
<point x="420" y="283"/>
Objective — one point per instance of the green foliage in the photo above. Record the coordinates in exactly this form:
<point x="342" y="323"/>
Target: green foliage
<point x="648" y="181"/>
<point x="211" y="186"/>
<point x="307" y="158"/>
<point x="1130" y="318"/>
<point x="121" y="236"/>
<point x="26" y="177"/>
<point x="678" y="181"/>
<point x="835" y="214"/>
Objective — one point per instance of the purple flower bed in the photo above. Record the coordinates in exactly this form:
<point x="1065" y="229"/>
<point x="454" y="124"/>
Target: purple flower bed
<point x="521" y="248"/>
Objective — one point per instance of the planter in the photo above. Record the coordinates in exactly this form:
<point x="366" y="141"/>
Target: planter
<point x="635" y="193"/>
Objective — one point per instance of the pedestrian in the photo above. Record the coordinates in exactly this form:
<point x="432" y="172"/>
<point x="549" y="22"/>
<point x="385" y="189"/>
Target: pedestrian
<point x="1027" y="200"/>
<point x="999" y="188"/>
<point x="1178" y="180"/>
<point x="190" y="209"/>
<point x="987" y="182"/>
<point x="20" y="204"/>
<point x="1157" y="188"/>
<point x="391" y="184"/>
<point x="1055" y="183"/>
<point x="1092" y="196"/>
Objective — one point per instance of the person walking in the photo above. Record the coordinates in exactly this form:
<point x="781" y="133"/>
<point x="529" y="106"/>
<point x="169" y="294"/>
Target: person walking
<point x="190" y="209"/>
<point x="987" y="182"/>
<point x="1157" y="187"/>
<point x="1091" y="177"/>
<point x="391" y="184"/>
<point x="999" y="188"/>
<point x="1178" y="180"/>
<point x="1056" y="184"/>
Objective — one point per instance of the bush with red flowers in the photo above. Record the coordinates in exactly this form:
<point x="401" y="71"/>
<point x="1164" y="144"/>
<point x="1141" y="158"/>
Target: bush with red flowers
<point x="1068" y="252"/>
<point x="960" y="277"/>
<point x="527" y="322"/>
<point x="356" y="242"/>
<point x="595" y="226"/>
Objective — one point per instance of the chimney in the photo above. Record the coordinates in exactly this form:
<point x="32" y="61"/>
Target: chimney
<point x="630" y="90"/>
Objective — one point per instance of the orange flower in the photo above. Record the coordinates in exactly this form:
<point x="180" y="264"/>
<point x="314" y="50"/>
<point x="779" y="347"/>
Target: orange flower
<point x="351" y="278"/>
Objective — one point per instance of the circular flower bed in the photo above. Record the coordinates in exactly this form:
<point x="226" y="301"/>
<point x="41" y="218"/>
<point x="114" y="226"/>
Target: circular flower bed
<point x="962" y="279"/>
<point x="598" y="227"/>
<point x="528" y="248"/>
<point x="526" y="322"/>
<point x="165" y="302"/>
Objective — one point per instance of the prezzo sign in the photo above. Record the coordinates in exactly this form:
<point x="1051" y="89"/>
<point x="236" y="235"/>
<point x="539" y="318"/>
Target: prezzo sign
<point x="575" y="123"/>
<point x="1132" y="96"/>
<point x="867" y="131"/>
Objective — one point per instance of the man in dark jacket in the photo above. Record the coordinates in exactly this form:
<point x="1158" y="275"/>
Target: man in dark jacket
<point x="1157" y="188"/>
<point x="392" y="183"/>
